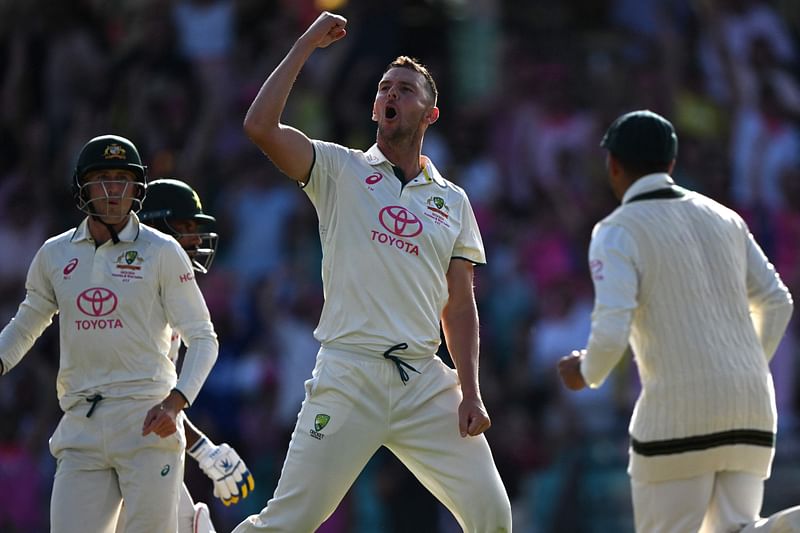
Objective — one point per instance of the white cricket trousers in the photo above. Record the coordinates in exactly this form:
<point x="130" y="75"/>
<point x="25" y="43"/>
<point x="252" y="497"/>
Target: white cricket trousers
<point x="355" y="404"/>
<point x="188" y="519"/>
<point x="103" y="459"/>
<point x="784" y="521"/>
<point x="721" y="502"/>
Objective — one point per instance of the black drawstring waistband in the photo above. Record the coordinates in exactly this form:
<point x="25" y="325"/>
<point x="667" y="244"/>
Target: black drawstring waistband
<point x="399" y="363"/>
<point x="94" y="400"/>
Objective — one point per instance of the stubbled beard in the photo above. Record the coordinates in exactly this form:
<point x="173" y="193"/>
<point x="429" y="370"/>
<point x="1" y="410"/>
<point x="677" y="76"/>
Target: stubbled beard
<point x="396" y="135"/>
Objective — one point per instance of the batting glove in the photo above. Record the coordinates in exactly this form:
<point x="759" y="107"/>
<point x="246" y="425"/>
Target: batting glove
<point x="232" y="480"/>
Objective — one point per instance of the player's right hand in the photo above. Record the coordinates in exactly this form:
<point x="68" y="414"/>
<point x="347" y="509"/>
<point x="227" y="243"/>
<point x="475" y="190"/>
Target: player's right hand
<point x="161" y="419"/>
<point x="232" y="480"/>
<point x="328" y="28"/>
<point x="569" y="368"/>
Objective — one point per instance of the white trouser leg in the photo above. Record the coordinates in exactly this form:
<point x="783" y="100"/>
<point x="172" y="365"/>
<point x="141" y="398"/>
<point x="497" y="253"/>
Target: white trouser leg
<point x="720" y="502"/>
<point x="340" y="426"/>
<point x="104" y="459"/>
<point x="676" y="506"/>
<point x="786" y="521"/>
<point x="735" y="502"/>
<point x="185" y="511"/>
<point x="459" y="471"/>
<point x="83" y="499"/>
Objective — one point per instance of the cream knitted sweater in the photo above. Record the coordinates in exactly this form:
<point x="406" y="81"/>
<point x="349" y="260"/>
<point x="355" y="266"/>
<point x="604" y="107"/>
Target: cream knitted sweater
<point x="708" y="314"/>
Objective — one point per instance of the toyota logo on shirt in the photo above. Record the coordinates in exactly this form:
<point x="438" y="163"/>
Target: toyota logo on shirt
<point x="399" y="221"/>
<point x="97" y="301"/>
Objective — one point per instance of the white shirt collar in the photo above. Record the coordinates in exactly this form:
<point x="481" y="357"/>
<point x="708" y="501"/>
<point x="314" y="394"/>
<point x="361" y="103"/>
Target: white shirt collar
<point x="129" y="232"/>
<point x="429" y="172"/>
<point x="648" y="183"/>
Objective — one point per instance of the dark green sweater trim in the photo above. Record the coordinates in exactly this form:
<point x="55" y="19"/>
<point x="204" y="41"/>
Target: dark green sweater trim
<point x="752" y="437"/>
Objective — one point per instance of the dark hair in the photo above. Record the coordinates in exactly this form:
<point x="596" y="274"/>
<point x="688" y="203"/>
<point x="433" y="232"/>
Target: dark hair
<point x="642" y="168"/>
<point x="415" y="65"/>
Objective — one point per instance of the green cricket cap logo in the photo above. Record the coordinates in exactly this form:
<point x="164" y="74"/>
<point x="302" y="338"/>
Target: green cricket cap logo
<point x="130" y="256"/>
<point x="320" y="421"/>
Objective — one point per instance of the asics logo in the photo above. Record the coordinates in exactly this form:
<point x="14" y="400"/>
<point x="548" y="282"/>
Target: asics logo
<point x="70" y="266"/>
<point x="372" y="179"/>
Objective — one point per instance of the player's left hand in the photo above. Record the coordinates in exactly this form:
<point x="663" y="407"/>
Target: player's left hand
<point x="473" y="419"/>
<point x="232" y="480"/>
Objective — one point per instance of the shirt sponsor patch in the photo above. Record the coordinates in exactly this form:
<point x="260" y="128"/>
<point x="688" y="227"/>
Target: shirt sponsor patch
<point x="438" y="211"/>
<point x="97" y="303"/>
<point x="127" y="265"/>
<point x="70" y="266"/>
<point x="372" y="179"/>
<point x="400" y="225"/>
<point x="400" y="221"/>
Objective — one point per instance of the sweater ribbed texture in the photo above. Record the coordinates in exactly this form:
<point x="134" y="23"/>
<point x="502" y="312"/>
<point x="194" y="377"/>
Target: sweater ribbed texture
<point x="702" y="368"/>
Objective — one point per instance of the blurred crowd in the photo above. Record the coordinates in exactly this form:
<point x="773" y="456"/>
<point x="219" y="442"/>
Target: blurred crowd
<point x="527" y="90"/>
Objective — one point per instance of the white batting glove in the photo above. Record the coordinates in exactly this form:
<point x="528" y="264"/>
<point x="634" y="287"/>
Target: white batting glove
<point x="232" y="480"/>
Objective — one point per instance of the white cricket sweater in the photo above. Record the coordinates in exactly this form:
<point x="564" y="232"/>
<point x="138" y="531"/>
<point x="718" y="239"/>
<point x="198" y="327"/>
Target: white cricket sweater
<point x="703" y="311"/>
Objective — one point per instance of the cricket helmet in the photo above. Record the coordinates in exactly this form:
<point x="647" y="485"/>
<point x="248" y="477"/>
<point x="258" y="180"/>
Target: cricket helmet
<point x="170" y="200"/>
<point x="108" y="152"/>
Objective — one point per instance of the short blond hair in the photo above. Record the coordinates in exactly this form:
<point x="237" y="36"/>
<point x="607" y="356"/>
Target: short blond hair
<point x="417" y="66"/>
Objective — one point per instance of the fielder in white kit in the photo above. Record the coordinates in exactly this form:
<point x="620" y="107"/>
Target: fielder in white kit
<point x="399" y="244"/>
<point x="120" y="289"/>
<point x="172" y="206"/>
<point x="682" y="279"/>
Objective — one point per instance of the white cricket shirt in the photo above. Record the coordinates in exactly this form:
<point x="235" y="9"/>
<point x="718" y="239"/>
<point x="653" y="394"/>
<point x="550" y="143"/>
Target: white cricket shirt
<point x="117" y="305"/>
<point x="386" y="249"/>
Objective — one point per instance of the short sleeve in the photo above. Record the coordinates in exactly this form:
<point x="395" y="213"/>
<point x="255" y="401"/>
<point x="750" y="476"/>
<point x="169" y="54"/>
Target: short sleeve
<point x="469" y="244"/>
<point x="329" y="163"/>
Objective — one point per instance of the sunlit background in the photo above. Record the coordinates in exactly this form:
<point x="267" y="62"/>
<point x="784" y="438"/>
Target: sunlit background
<point x="527" y="89"/>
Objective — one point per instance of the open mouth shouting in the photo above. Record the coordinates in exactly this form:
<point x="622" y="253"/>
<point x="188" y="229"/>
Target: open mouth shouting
<point x="390" y="112"/>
